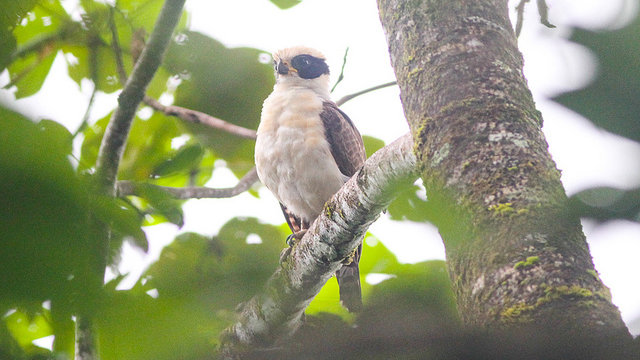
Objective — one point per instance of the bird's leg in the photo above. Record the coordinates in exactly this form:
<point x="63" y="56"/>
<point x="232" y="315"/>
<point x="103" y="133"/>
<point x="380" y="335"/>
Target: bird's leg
<point x="293" y="239"/>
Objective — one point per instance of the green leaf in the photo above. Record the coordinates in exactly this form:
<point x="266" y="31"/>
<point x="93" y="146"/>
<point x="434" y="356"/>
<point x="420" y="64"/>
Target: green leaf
<point x="29" y="73"/>
<point x="47" y="18"/>
<point x="143" y="13"/>
<point x="187" y="158"/>
<point x="408" y="205"/>
<point x="136" y="326"/>
<point x="25" y="329"/>
<point x="44" y="215"/>
<point x="376" y="258"/>
<point x="12" y="13"/>
<point x="59" y="134"/>
<point x="122" y="217"/>
<point x="611" y="101"/>
<point x="37" y="40"/>
<point x="162" y="202"/>
<point x="286" y="4"/>
<point x="229" y="83"/>
<point x="93" y="55"/>
<point x="419" y="293"/>
<point x="228" y="268"/>
<point x="372" y="144"/>
<point x="148" y="145"/>
<point x="605" y="203"/>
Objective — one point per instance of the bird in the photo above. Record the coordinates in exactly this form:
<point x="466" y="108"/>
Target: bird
<point x="307" y="148"/>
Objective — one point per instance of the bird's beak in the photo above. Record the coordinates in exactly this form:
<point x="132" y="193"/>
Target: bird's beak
<point x="283" y="68"/>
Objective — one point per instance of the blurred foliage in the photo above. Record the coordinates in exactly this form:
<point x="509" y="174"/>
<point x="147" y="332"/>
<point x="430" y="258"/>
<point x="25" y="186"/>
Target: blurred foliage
<point x="605" y="203"/>
<point x="47" y="237"/>
<point x="286" y="4"/>
<point x="610" y="101"/>
<point x="50" y="242"/>
<point x="228" y="83"/>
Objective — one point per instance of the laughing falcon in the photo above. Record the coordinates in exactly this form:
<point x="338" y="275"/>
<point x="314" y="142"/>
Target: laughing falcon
<point x="307" y="149"/>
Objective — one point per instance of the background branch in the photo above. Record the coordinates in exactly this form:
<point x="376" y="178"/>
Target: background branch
<point x="346" y="98"/>
<point x="111" y="150"/>
<point x="276" y="313"/>
<point x="195" y="192"/>
<point x="117" y="131"/>
<point x="198" y="117"/>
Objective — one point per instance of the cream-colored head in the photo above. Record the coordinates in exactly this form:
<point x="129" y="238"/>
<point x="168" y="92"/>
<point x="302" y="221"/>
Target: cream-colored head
<point x="302" y="66"/>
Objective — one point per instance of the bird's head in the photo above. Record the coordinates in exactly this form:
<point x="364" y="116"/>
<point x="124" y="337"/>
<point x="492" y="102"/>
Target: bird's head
<point x="302" y="66"/>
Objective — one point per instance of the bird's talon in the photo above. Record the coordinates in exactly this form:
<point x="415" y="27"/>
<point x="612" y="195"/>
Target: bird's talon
<point x="295" y="237"/>
<point x="291" y="240"/>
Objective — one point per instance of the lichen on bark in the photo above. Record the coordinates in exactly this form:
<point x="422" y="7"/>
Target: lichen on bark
<point x="514" y="253"/>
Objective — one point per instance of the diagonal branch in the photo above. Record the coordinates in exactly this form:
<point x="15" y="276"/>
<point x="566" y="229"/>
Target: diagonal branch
<point x="198" y="117"/>
<point x="110" y="154"/>
<point x="276" y="313"/>
<point x="117" y="131"/>
<point x="196" y="192"/>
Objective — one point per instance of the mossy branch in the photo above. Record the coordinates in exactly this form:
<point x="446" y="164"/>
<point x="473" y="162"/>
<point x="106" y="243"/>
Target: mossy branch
<point x="276" y="313"/>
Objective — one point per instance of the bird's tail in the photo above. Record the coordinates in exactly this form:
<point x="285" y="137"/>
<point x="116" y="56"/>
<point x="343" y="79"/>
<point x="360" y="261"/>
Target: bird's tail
<point x="349" y="282"/>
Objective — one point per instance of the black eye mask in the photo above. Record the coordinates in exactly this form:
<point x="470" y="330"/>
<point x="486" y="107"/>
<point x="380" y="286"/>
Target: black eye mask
<point x="309" y="67"/>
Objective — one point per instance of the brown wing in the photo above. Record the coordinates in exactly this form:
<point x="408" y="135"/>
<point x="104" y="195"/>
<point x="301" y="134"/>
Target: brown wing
<point x="347" y="149"/>
<point x="344" y="139"/>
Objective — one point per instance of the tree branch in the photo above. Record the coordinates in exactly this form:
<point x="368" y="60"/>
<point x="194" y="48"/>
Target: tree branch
<point x="117" y="131"/>
<point x="346" y="98"/>
<point x="195" y="192"/>
<point x="110" y="154"/>
<point x="276" y="313"/>
<point x="198" y="117"/>
<point x="115" y="46"/>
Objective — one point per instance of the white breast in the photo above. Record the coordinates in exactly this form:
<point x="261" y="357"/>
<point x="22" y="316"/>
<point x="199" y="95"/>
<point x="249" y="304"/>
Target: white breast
<point x="293" y="158"/>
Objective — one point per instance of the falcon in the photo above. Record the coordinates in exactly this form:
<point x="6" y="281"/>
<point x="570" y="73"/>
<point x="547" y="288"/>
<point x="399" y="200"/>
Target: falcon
<point x="307" y="148"/>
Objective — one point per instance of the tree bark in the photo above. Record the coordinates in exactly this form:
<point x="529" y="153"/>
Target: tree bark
<point x="514" y="254"/>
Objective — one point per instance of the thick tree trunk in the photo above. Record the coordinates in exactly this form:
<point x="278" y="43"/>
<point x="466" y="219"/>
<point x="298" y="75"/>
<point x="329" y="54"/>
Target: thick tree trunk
<point x="515" y="256"/>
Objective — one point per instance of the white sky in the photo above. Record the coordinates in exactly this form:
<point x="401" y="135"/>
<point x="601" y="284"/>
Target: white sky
<point x="586" y="155"/>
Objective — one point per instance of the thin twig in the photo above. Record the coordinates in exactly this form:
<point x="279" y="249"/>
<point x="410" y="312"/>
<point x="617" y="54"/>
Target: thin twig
<point x="126" y="188"/>
<point x="87" y="113"/>
<point x="520" y="16"/>
<point x="543" y="10"/>
<point x="346" y="98"/>
<point x="198" y="117"/>
<point x="115" y="46"/>
<point x="341" y="76"/>
<point x="93" y="71"/>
